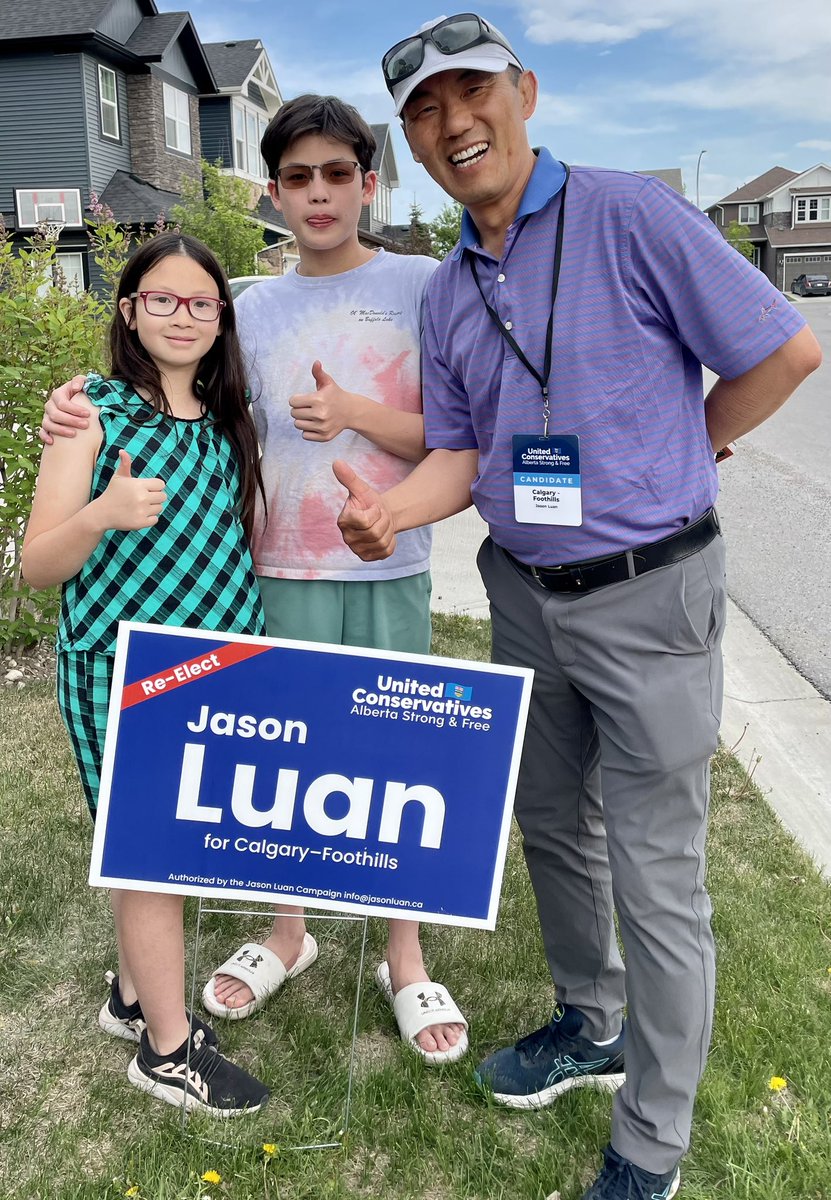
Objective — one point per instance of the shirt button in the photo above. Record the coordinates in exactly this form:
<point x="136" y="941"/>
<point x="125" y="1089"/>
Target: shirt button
<point x="500" y="279"/>
<point x="509" y="324"/>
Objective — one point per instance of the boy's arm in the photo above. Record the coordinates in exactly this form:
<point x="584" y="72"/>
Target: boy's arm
<point x="323" y="414"/>
<point x="65" y="411"/>
<point x="65" y="525"/>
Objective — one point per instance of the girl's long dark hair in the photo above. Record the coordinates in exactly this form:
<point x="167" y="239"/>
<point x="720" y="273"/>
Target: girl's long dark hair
<point x="220" y="381"/>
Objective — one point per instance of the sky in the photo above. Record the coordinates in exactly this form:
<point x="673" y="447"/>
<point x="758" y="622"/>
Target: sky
<point x="632" y="84"/>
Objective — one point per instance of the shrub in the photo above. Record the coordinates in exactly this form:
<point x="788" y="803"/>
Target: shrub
<point x="46" y="335"/>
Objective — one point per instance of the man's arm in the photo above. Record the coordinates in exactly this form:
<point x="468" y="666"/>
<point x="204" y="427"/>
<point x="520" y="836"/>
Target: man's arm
<point x="323" y="414"/>
<point x="437" y="488"/>
<point x="735" y="406"/>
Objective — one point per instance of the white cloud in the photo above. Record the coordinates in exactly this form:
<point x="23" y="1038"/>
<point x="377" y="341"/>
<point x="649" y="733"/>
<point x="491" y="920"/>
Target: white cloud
<point x="742" y="31"/>
<point x="814" y="144"/>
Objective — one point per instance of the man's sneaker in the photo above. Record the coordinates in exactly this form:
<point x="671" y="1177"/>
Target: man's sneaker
<point x="208" y="1082"/>
<point x="551" y="1061"/>
<point x="620" y="1179"/>
<point x="127" y="1020"/>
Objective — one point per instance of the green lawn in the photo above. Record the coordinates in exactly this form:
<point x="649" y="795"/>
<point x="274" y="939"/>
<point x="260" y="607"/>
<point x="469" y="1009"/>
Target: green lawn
<point x="71" y="1126"/>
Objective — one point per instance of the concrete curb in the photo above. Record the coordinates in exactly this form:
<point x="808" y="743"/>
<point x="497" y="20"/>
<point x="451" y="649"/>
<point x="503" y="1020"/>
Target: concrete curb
<point x="776" y="723"/>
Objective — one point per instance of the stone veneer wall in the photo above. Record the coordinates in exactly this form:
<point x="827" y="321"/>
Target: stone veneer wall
<point x="151" y="159"/>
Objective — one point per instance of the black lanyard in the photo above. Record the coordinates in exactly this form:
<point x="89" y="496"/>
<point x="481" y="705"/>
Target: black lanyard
<point x="541" y="378"/>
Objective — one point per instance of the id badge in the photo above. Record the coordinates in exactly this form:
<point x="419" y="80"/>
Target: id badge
<point x="547" y="488"/>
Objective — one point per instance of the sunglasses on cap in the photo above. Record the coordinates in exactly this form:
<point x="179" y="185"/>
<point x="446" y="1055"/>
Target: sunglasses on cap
<point x="299" y="175"/>
<point x="451" y="36"/>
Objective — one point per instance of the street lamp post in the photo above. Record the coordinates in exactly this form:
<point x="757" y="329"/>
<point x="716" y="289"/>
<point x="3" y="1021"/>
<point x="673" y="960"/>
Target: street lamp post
<point x="697" y="177"/>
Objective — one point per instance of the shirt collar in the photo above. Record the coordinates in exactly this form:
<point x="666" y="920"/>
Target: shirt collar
<point x="547" y="178"/>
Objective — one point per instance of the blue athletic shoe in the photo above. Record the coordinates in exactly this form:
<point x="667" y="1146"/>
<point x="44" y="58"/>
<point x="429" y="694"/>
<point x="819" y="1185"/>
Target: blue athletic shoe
<point x="622" y="1180"/>
<point x="551" y="1061"/>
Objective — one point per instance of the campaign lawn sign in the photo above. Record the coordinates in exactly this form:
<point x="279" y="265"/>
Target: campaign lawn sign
<point x="335" y="777"/>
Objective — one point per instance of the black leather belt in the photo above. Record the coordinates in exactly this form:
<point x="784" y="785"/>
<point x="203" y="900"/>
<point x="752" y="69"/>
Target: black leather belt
<point x="615" y="568"/>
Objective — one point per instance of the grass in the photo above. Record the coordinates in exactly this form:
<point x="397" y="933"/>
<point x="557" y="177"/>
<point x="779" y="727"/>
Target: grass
<point x="71" y="1127"/>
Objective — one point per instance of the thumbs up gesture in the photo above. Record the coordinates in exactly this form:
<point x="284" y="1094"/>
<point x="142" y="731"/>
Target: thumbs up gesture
<point x="324" y="413"/>
<point x="130" y="502"/>
<point x="365" y="520"/>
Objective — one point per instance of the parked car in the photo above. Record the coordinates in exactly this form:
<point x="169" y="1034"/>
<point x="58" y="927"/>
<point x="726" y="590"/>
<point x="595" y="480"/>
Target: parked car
<point x="240" y="282"/>
<point x="811" y="285"/>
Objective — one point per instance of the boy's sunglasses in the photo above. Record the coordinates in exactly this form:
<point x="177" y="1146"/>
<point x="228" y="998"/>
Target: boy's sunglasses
<point x="451" y="36"/>
<point x="164" y="304"/>
<point x="299" y="175"/>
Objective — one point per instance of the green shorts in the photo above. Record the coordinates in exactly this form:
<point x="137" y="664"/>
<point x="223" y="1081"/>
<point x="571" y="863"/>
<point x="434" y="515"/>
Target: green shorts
<point x="84" y="684"/>
<point x="382" y="614"/>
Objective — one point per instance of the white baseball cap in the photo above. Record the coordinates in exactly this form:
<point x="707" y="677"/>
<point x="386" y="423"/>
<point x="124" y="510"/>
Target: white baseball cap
<point x="465" y="41"/>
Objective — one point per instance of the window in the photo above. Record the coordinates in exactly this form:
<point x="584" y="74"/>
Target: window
<point x="66" y="269"/>
<point x="176" y="119"/>
<point x="239" y="139"/>
<point x="72" y="269"/>
<point x="382" y="204"/>
<point x="108" y="102"/>
<point x="60" y="205"/>
<point x="813" y="208"/>
<point x="249" y="127"/>
<point x="748" y="214"/>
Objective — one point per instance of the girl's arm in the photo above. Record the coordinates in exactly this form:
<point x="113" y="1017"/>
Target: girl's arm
<point x="65" y="525"/>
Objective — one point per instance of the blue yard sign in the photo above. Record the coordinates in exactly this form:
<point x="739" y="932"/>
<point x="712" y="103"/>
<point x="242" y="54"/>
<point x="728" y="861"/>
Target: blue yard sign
<point x="333" y="777"/>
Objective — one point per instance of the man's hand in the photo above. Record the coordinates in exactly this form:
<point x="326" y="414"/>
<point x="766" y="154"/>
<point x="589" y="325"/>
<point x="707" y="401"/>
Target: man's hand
<point x="323" y="414"/>
<point x="365" y="521"/>
<point x="61" y="416"/>
<point x="129" y="502"/>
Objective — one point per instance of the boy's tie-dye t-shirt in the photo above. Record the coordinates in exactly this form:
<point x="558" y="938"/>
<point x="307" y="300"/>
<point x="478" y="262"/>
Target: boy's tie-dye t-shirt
<point x="364" y="326"/>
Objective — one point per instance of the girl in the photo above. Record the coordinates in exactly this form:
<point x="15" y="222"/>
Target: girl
<point x="146" y="520"/>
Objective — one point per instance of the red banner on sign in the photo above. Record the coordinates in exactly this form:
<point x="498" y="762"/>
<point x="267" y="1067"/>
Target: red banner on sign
<point x="195" y="668"/>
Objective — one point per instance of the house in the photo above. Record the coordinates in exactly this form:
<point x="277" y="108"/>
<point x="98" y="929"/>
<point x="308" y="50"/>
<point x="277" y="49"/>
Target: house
<point x="232" y="122"/>
<point x="670" y="175"/>
<point x="113" y="97"/>
<point x="788" y="215"/>
<point x="95" y="96"/>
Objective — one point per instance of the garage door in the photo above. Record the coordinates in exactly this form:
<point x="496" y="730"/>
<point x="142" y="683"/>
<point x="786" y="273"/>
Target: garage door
<point x="806" y="264"/>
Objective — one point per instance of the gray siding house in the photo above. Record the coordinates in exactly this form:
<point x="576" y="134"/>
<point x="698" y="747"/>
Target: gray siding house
<point x="95" y="96"/>
<point x="788" y="215"/>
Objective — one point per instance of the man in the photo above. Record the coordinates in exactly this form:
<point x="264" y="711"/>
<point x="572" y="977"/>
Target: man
<point x="562" y="388"/>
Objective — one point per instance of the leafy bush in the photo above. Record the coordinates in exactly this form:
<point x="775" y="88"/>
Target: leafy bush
<point x="46" y="335"/>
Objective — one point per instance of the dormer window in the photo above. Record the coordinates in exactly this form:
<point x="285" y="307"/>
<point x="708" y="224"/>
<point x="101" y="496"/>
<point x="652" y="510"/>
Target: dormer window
<point x="813" y="208"/>
<point x="748" y="214"/>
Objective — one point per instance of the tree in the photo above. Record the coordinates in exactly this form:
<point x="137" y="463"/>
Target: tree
<point x="217" y="210"/>
<point x="419" y="241"/>
<point x="445" y="229"/>
<point x="737" y="235"/>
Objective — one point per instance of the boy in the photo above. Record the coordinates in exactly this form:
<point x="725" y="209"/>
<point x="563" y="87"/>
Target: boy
<point x="353" y="314"/>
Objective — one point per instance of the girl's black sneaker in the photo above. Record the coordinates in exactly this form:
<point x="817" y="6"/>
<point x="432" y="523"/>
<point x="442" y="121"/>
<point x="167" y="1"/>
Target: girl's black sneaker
<point x="208" y="1082"/>
<point x="127" y="1020"/>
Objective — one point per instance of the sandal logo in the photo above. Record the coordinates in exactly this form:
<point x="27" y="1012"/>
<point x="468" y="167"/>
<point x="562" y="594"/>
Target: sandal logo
<point x="436" y="1000"/>
<point x="253" y="959"/>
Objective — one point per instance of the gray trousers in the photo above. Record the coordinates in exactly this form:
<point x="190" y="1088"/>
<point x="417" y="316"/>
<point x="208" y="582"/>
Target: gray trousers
<point x="612" y="804"/>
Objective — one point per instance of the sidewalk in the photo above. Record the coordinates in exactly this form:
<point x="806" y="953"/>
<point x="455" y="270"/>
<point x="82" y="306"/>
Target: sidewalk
<point x="776" y="723"/>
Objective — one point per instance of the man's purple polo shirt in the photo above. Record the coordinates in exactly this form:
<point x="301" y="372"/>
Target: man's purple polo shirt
<point x="648" y="291"/>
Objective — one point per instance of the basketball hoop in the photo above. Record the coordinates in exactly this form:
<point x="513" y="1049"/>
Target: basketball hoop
<point x="51" y="230"/>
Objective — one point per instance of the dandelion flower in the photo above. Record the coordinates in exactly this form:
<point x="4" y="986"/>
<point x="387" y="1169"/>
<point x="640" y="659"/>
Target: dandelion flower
<point x="132" y="1191"/>
<point x="212" y="1177"/>
<point x="269" y="1148"/>
<point x="777" y="1083"/>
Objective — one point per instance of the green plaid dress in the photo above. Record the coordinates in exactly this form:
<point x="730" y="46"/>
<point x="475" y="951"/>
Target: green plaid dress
<point x="193" y="568"/>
